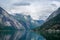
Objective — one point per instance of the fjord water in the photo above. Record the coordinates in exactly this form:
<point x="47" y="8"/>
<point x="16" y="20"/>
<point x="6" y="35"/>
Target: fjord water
<point x="20" y="35"/>
<point x="28" y="35"/>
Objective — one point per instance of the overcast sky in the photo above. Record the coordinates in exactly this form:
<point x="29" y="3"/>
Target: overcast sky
<point x="38" y="9"/>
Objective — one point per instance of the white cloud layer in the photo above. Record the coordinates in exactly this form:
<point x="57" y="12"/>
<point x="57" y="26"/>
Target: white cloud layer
<point x="38" y="9"/>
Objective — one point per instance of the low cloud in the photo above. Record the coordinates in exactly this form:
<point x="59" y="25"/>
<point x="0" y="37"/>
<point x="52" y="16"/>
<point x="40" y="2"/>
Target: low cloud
<point x="56" y="3"/>
<point x="22" y="4"/>
<point x="36" y="8"/>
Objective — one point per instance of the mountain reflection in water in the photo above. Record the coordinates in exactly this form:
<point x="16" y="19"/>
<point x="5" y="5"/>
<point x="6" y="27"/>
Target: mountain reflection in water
<point x="20" y="35"/>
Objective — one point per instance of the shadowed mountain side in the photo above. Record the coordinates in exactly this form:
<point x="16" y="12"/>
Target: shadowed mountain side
<point x="52" y="23"/>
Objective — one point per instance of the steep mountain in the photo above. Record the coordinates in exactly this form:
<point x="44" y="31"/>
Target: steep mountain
<point x="55" y="13"/>
<point x="52" y="23"/>
<point x="27" y="21"/>
<point x="22" y="19"/>
<point x="8" y="21"/>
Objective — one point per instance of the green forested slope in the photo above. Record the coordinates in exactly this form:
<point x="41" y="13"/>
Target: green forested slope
<point x="53" y="23"/>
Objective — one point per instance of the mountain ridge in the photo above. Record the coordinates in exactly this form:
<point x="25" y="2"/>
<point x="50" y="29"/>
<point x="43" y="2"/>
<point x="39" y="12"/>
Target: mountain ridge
<point x="52" y="23"/>
<point x="7" y="20"/>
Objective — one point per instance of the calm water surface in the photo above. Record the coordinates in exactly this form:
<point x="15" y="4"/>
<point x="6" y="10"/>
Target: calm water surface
<point x="20" y="35"/>
<point x="28" y="35"/>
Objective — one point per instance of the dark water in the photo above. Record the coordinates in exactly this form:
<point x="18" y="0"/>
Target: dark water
<point x="20" y="35"/>
<point x="28" y="35"/>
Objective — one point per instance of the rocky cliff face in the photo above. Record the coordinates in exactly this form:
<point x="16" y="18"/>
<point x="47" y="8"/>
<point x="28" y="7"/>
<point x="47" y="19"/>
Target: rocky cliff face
<point x="7" y="20"/>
